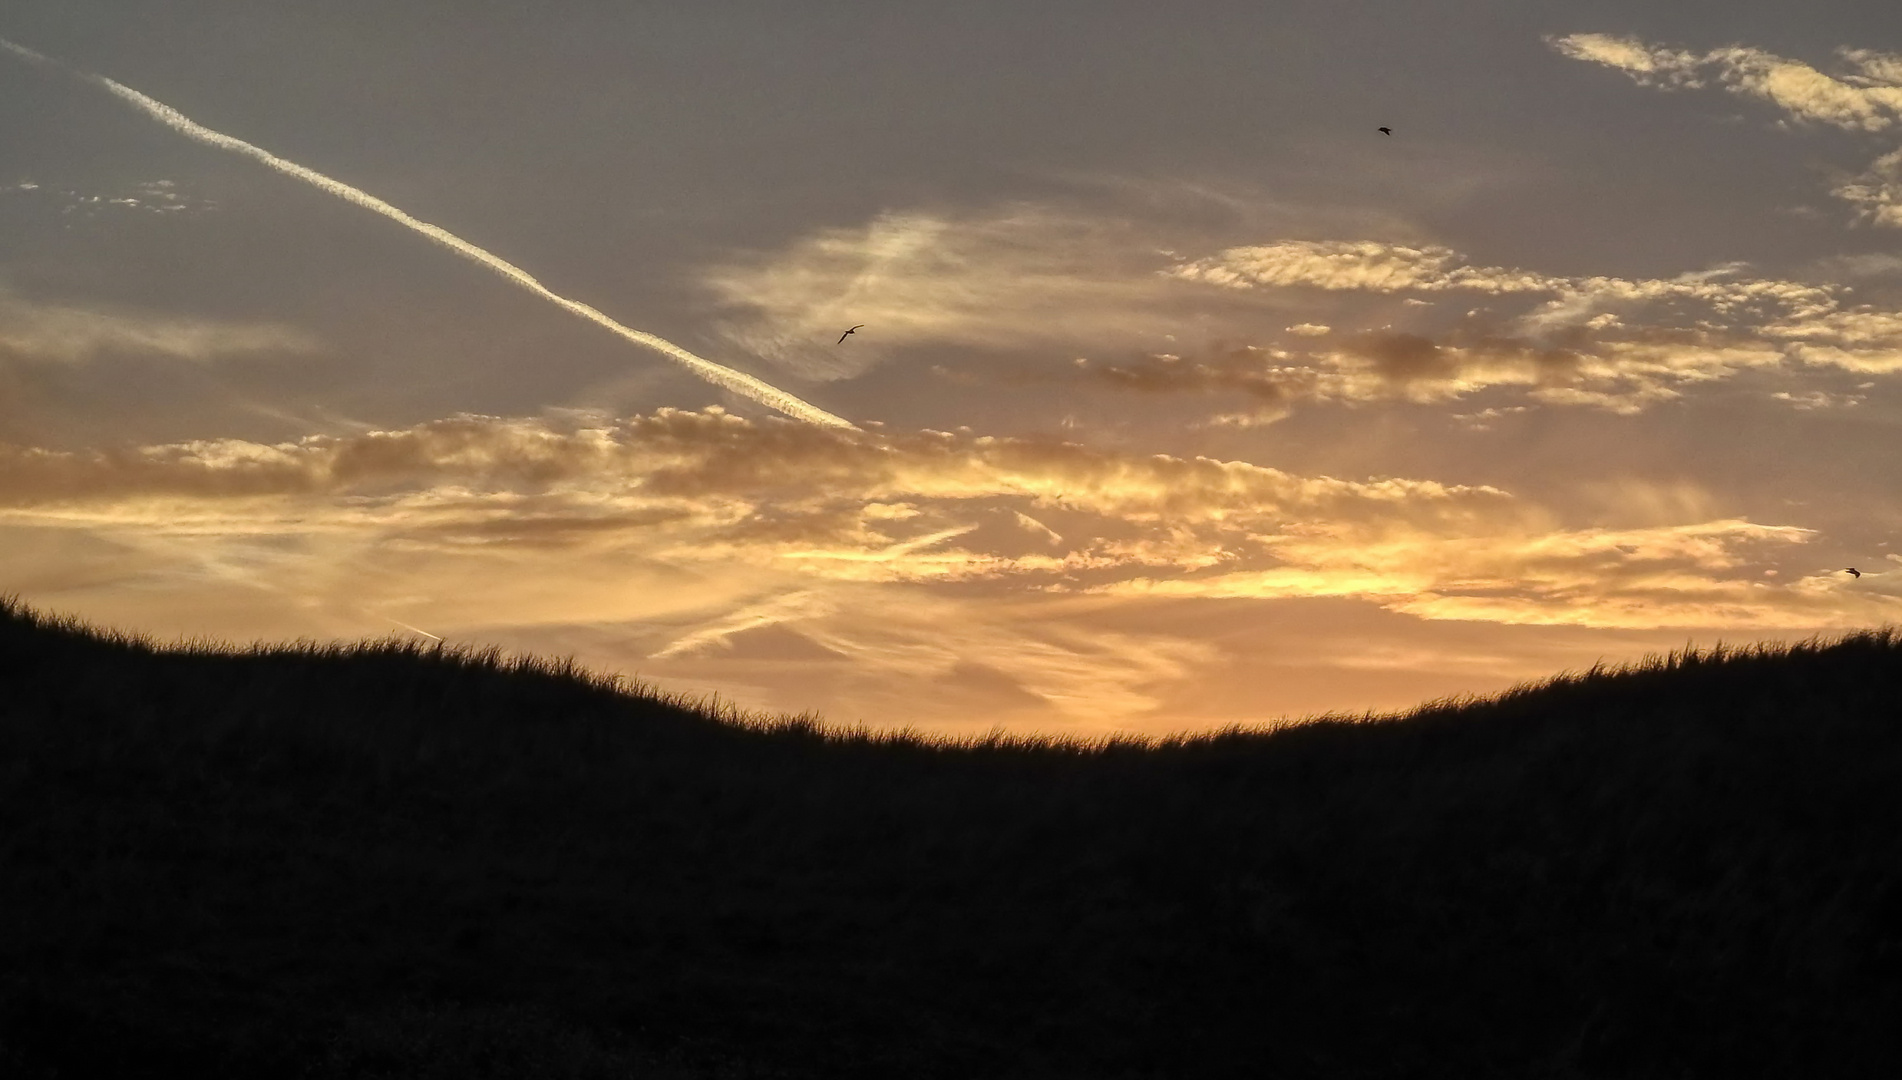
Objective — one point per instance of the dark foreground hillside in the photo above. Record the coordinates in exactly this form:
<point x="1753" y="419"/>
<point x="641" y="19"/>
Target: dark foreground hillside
<point x="386" y="861"/>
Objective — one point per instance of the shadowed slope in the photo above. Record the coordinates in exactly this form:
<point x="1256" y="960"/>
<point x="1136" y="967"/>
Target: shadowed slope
<point x="387" y="859"/>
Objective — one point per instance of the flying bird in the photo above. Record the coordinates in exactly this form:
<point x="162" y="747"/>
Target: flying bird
<point x="849" y="333"/>
<point x="1852" y="571"/>
<point x="1384" y="131"/>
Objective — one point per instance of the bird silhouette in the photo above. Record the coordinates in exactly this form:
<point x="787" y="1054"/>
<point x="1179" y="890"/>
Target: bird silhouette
<point x="1852" y="571"/>
<point x="1384" y="131"/>
<point x="849" y="333"/>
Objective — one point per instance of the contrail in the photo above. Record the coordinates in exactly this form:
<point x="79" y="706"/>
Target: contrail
<point x="719" y="375"/>
<point x="413" y="629"/>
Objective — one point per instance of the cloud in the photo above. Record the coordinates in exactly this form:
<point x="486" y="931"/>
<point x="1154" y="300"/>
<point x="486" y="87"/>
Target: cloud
<point x="948" y="663"/>
<point x="1374" y="266"/>
<point x="1084" y="269"/>
<point x="1623" y="370"/>
<point x="161" y="197"/>
<point x="689" y="490"/>
<point x="1865" y="340"/>
<point x="775" y="507"/>
<point x="1361" y="265"/>
<point x="1867" y="96"/>
<point x="1877" y="191"/>
<point x="1246" y="370"/>
<point x="1682" y="575"/>
<point x="943" y="577"/>
<point x="1620" y="344"/>
<point x="1022" y="274"/>
<point x="1649" y="65"/>
<point x="719" y="633"/>
<point x="1027" y="277"/>
<point x="37" y="331"/>
<point x="1482" y="420"/>
<point x="708" y="489"/>
<point x="722" y="546"/>
<point x="1812" y="400"/>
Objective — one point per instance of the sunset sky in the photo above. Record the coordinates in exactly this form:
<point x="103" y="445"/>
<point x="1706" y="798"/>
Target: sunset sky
<point x="1184" y="396"/>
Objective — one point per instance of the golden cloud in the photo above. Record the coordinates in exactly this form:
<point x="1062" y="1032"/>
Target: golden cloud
<point x="1680" y="575"/>
<point x="701" y="490"/>
<point x="860" y="569"/>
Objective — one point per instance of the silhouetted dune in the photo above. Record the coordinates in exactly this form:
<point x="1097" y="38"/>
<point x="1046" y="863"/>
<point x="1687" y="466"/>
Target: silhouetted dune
<point x="396" y="860"/>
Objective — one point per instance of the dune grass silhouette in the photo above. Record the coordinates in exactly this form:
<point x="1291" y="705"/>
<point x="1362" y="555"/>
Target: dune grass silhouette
<point x="398" y="859"/>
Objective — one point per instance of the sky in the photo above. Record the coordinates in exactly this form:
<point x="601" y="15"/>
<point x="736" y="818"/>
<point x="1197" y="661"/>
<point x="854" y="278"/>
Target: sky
<point x="1184" y="396"/>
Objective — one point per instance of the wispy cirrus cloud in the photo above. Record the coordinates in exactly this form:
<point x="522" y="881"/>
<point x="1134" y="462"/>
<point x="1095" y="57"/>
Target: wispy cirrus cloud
<point x="1019" y="275"/>
<point x="49" y="332"/>
<point x="720" y="466"/>
<point x="1865" y="95"/>
<point x="1033" y="278"/>
<point x="1087" y="269"/>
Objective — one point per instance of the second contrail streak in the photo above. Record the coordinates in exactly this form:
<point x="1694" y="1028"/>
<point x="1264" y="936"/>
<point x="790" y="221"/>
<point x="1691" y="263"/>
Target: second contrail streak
<point x="718" y="374"/>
